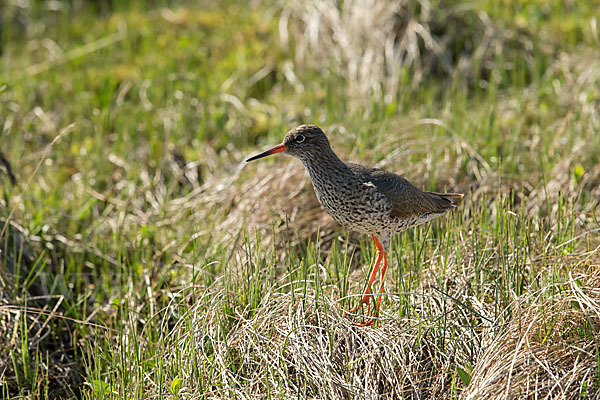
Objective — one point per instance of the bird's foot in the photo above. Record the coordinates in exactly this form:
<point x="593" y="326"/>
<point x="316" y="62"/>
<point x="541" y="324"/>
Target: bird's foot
<point x="371" y="316"/>
<point x="365" y="301"/>
<point x="370" y="321"/>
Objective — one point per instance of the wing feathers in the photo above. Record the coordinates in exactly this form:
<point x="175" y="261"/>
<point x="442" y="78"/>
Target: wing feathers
<point x="406" y="200"/>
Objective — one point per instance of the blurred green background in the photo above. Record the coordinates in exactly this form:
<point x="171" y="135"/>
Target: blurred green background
<point x="126" y="123"/>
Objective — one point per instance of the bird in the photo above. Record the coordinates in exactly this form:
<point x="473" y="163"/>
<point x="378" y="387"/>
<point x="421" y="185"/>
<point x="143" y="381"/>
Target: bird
<point x="363" y="199"/>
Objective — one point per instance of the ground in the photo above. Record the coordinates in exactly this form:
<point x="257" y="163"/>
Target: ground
<point x="141" y="257"/>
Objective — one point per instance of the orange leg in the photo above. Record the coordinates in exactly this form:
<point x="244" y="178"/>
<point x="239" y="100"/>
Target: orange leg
<point x="366" y="298"/>
<point x="382" y="281"/>
<point x="378" y="303"/>
<point x="367" y="295"/>
<point x="381" y="254"/>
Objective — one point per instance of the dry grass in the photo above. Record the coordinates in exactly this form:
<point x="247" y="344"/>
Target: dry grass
<point x="378" y="48"/>
<point x="299" y="344"/>
<point x="550" y="349"/>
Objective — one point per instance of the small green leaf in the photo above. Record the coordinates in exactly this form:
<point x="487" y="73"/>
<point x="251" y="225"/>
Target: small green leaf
<point x="464" y="376"/>
<point x="176" y="386"/>
<point x="583" y="390"/>
<point x="100" y="387"/>
<point x="391" y="108"/>
<point x="578" y="172"/>
<point x="184" y="41"/>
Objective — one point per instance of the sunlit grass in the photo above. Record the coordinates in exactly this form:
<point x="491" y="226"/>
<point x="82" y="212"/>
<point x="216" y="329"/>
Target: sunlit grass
<point x="153" y="262"/>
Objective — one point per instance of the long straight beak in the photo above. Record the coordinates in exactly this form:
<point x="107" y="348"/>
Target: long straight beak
<point x="277" y="149"/>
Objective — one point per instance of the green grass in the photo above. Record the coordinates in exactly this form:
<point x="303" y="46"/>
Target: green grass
<point x="143" y="260"/>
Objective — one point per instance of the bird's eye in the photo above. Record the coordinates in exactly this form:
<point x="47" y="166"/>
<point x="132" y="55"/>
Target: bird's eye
<point x="300" y="138"/>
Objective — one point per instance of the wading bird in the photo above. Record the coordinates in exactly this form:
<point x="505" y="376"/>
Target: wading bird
<point x="363" y="199"/>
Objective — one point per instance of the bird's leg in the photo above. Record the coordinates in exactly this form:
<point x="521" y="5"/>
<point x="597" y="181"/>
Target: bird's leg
<point x="380" y="255"/>
<point x="382" y="281"/>
<point x="371" y="321"/>
<point x="366" y="298"/>
<point x="367" y="295"/>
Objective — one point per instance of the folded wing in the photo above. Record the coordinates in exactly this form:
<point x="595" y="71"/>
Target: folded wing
<point x="406" y="200"/>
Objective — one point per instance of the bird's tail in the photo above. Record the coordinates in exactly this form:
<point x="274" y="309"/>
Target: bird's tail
<point x="446" y="201"/>
<point x="453" y="198"/>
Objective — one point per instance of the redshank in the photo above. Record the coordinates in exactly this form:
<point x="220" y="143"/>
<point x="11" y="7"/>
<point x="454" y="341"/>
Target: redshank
<point x="363" y="199"/>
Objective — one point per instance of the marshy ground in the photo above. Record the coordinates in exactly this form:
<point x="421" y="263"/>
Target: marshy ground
<point x="142" y="258"/>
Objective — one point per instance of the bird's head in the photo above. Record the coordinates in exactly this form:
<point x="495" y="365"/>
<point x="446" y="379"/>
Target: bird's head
<point x="301" y="142"/>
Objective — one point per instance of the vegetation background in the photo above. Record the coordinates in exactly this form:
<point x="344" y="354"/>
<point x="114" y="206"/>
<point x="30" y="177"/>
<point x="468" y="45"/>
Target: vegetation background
<point x="141" y="258"/>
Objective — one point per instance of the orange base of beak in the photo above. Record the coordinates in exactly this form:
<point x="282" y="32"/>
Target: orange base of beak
<point x="277" y="149"/>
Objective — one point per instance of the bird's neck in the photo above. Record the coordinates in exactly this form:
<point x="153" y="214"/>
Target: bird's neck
<point x="325" y="166"/>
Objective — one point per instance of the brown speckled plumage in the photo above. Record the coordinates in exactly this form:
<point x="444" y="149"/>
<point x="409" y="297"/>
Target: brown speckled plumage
<point x="367" y="200"/>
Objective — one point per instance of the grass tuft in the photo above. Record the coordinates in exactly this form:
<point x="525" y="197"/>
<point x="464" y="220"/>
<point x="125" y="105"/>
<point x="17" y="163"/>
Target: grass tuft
<point x="141" y="257"/>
